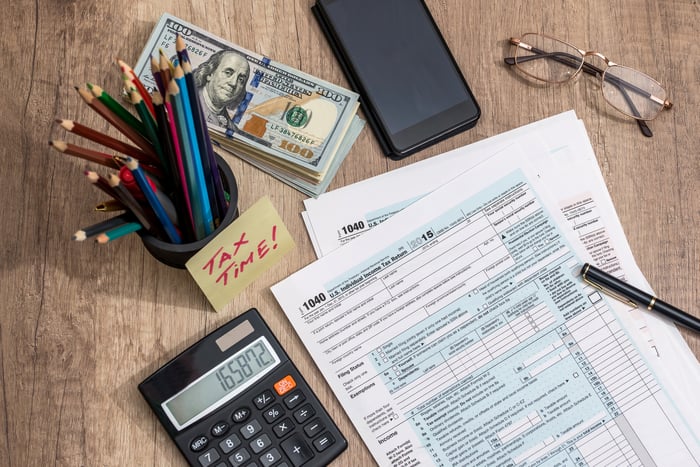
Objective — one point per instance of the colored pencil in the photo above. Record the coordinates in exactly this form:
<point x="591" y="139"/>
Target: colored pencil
<point x="100" y="182"/>
<point x="150" y="125"/>
<point x="118" y="232"/>
<point x="215" y="189"/>
<point x="179" y="195"/>
<point x="110" y="205"/>
<point x="153" y="200"/>
<point x="152" y="170"/>
<point x="180" y="164"/>
<point x="128" y="180"/>
<point x="97" y="105"/>
<point x="155" y="71"/>
<point x="117" y="109"/>
<point x="196" y="157"/>
<point x="126" y="69"/>
<point x="145" y="218"/>
<point x="84" y="153"/>
<point x="165" y="69"/>
<point x="94" y="229"/>
<point x="194" y="185"/>
<point x="101" y="138"/>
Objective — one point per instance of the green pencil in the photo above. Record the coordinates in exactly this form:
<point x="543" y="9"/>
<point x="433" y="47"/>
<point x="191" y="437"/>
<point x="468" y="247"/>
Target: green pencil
<point x="118" y="109"/>
<point x="118" y="232"/>
<point x="147" y="120"/>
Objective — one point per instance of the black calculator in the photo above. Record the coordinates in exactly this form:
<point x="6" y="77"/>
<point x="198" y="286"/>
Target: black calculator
<point x="236" y="399"/>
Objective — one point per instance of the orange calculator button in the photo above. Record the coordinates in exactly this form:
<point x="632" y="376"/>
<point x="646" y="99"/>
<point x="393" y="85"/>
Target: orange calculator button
<point x="285" y="385"/>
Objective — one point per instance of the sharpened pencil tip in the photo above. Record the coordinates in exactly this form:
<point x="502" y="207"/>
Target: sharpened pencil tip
<point x="59" y="145"/>
<point x="79" y="236"/>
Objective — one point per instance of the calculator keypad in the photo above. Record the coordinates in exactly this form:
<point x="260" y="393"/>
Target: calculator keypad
<point x="279" y="428"/>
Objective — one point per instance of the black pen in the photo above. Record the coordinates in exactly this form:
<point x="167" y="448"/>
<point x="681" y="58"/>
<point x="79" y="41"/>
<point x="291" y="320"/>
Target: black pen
<point x="622" y="291"/>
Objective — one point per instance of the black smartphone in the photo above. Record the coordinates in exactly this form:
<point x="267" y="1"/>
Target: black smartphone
<point x="393" y="54"/>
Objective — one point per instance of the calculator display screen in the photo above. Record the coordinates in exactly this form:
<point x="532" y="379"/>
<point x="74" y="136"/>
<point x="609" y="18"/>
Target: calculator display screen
<point x="220" y="384"/>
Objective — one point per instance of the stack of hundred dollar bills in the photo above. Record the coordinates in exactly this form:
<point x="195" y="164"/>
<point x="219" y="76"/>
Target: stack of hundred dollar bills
<point x="294" y="126"/>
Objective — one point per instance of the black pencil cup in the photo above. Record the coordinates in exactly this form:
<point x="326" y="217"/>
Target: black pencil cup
<point x="176" y="255"/>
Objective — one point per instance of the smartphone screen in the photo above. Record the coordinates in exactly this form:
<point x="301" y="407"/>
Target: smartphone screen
<point x="403" y="70"/>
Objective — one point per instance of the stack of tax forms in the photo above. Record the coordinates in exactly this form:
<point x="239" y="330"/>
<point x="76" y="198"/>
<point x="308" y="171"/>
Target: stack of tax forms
<point x="294" y="126"/>
<point x="447" y="313"/>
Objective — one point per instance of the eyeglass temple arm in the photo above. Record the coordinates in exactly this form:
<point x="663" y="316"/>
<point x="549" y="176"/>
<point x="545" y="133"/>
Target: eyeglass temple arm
<point x="573" y="61"/>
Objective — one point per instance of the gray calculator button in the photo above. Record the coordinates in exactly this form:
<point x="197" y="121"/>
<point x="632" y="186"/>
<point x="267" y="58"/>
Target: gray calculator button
<point x="209" y="457"/>
<point x="260" y="443"/>
<point x="270" y="457"/>
<point x="273" y="413"/>
<point x="296" y="449"/>
<point x="239" y="457"/>
<point x="323" y="441"/>
<point x="250" y="429"/>
<point x="263" y="399"/>
<point x="294" y="399"/>
<point x="283" y="428"/>
<point x="313" y="428"/>
<point x="230" y="443"/>
<point x="304" y="413"/>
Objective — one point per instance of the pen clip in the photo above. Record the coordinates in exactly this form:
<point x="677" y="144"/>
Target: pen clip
<point x="609" y="292"/>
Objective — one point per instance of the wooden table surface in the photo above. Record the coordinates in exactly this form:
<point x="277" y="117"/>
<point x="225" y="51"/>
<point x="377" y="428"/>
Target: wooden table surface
<point x="82" y="324"/>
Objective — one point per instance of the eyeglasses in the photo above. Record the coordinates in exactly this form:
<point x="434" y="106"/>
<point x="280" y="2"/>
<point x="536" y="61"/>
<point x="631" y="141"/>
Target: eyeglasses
<point x="554" y="61"/>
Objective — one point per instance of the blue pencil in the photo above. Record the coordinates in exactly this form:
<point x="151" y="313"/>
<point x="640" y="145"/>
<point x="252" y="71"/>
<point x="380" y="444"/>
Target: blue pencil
<point x="203" y="197"/>
<point x="173" y="97"/>
<point x="211" y="171"/>
<point x="216" y="195"/>
<point x="153" y="200"/>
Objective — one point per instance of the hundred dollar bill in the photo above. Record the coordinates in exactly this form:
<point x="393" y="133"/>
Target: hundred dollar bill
<point x="267" y="110"/>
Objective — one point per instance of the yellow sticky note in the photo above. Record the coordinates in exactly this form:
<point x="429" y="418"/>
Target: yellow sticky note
<point x="253" y="243"/>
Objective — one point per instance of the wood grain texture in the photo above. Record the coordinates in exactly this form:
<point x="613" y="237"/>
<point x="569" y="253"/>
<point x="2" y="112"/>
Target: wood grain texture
<point x="82" y="324"/>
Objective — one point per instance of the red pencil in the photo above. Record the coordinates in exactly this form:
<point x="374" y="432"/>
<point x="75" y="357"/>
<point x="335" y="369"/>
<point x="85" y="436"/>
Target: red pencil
<point x="126" y="69"/>
<point x="103" y="139"/>
<point x="84" y="153"/>
<point x="99" y="107"/>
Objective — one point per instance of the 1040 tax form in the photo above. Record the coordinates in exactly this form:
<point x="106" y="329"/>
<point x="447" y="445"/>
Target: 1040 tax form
<point x="457" y="332"/>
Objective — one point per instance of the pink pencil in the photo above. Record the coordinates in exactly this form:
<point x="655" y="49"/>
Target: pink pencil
<point x="178" y="156"/>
